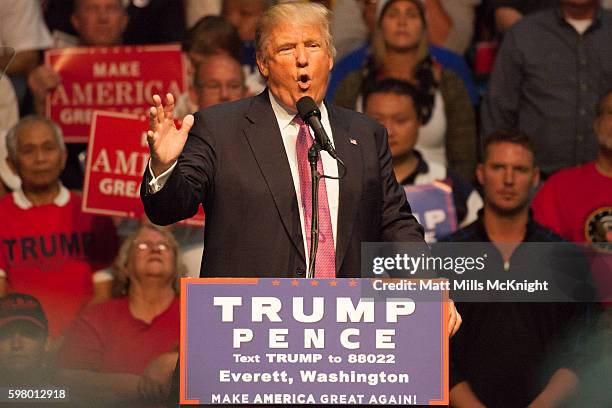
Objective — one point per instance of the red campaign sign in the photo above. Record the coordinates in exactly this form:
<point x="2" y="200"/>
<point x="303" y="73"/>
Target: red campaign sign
<point x="121" y="79"/>
<point x="117" y="157"/>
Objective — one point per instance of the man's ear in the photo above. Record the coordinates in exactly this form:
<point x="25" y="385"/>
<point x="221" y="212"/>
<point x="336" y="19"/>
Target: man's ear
<point x="262" y="64"/>
<point x="480" y="173"/>
<point x="64" y="158"/>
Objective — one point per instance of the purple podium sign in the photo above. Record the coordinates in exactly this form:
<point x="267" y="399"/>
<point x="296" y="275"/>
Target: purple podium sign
<point x="311" y="341"/>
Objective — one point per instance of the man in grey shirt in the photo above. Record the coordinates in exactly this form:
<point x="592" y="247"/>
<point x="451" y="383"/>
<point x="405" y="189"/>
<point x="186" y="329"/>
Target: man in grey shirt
<point x="550" y="71"/>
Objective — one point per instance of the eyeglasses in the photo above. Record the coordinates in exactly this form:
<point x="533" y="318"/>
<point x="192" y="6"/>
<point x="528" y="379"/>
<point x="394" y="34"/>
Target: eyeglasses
<point x="159" y="246"/>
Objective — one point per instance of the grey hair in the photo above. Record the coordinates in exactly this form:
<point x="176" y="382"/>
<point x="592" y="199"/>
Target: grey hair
<point x="24" y="124"/>
<point x="121" y="281"/>
<point x="297" y="14"/>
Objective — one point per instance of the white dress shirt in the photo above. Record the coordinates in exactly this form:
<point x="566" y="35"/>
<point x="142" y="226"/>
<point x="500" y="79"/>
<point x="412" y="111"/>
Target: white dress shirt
<point x="289" y="132"/>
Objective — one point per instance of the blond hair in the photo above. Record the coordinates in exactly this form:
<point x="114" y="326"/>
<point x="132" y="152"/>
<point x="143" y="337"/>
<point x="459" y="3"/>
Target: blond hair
<point x="296" y="14"/>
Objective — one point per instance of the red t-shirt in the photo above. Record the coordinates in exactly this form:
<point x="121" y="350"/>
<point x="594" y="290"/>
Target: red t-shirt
<point x="107" y="338"/>
<point x="574" y="202"/>
<point x="50" y="252"/>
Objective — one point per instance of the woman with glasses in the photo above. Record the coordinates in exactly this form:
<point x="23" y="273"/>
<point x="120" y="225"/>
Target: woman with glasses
<point x="124" y="350"/>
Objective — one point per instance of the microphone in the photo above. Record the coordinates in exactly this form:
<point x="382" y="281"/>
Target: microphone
<point x="310" y="114"/>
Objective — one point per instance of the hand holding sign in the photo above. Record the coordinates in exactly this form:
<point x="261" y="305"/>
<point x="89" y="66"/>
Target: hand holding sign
<point x="41" y="80"/>
<point x="166" y="142"/>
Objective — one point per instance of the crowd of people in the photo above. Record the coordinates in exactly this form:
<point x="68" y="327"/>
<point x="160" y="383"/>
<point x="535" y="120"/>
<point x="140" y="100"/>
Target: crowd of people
<point x="504" y="107"/>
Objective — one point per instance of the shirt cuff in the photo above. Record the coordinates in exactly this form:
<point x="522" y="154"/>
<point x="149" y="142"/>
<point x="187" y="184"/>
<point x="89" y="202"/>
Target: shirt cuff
<point x="157" y="183"/>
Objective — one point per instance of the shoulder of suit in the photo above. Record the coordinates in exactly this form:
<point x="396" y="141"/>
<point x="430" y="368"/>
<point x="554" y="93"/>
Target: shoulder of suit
<point x="222" y="110"/>
<point x="353" y="117"/>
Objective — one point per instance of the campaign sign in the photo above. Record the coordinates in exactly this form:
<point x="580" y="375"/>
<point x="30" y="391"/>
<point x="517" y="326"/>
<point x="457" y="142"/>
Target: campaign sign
<point x="432" y="204"/>
<point x="122" y="79"/>
<point x="117" y="157"/>
<point x="310" y="341"/>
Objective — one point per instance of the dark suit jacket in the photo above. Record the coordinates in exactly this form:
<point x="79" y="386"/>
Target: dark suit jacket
<point x="234" y="162"/>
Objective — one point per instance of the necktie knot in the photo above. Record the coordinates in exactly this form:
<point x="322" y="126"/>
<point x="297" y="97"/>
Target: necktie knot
<point x="297" y="119"/>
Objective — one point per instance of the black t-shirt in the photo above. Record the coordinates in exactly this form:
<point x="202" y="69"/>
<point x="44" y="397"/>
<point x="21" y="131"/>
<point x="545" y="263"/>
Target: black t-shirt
<point x="508" y="351"/>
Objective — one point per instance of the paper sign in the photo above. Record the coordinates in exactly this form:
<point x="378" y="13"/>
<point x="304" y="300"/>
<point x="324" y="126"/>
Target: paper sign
<point x="117" y="157"/>
<point x="121" y="79"/>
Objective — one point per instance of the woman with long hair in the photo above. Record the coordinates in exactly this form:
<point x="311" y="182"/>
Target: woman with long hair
<point x="400" y="50"/>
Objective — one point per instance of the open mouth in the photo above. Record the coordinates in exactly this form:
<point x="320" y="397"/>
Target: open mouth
<point x="304" y="81"/>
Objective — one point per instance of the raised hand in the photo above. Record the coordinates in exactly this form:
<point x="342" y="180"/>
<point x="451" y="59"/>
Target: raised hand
<point x="166" y="142"/>
<point x="41" y="80"/>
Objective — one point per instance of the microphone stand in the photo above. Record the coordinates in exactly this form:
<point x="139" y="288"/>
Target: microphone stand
<point x="313" y="157"/>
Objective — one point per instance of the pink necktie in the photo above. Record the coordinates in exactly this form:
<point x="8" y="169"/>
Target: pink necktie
<point x="325" y="266"/>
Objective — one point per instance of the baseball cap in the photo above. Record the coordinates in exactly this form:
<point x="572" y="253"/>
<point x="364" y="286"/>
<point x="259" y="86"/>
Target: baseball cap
<point x="16" y="307"/>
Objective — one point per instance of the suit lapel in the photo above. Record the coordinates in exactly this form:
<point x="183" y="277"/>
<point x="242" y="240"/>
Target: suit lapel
<point x="351" y="184"/>
<point x="265" y="140"/>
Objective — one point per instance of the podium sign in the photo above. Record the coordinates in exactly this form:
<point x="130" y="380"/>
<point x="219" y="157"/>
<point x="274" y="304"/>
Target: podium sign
<point x="302" y="341"/>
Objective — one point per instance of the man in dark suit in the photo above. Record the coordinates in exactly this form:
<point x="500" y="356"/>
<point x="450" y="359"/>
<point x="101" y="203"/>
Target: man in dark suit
<point x="244" y="162"/>
<point x="237" y="162"/>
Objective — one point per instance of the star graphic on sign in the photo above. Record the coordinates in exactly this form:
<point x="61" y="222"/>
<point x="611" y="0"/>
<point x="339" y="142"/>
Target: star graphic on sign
<point x="314" y="283"/>
<point x="353" y="282"/>
<point x="276" y="282"/>
<point x="295" y="282"/>
<point x="333" y="283"/>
